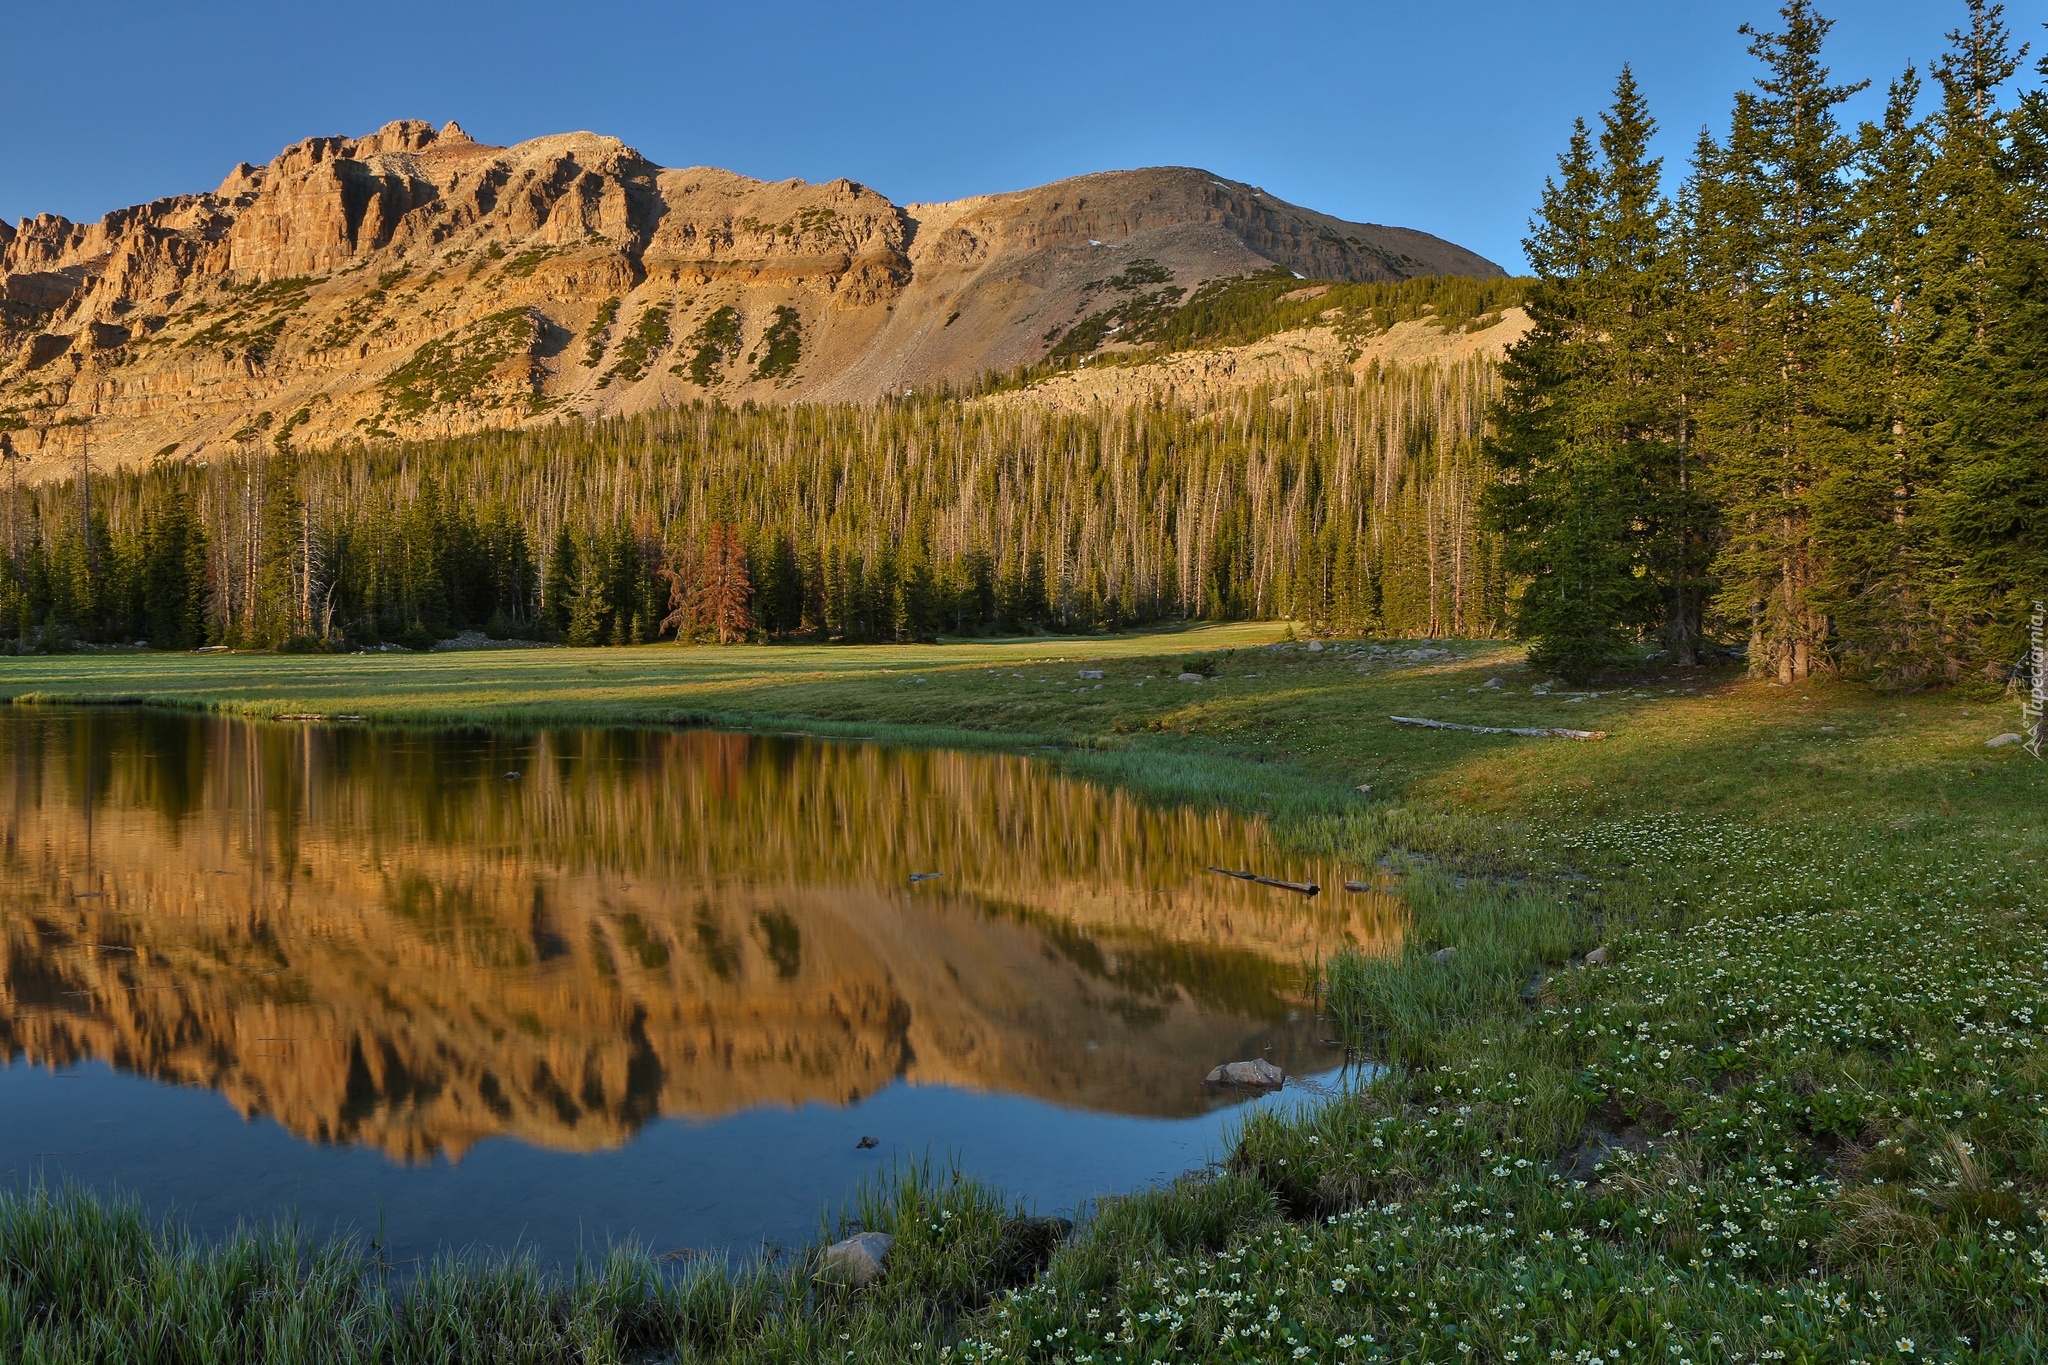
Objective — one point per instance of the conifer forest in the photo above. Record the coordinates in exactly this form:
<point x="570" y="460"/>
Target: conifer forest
<point x="1793" y="398"/>
<point x="1788" y="400"/>
<point x="1352" y="503"/>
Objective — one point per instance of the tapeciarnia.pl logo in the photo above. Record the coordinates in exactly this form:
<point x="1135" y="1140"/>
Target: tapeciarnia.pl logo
<point x="2034" y="709"/>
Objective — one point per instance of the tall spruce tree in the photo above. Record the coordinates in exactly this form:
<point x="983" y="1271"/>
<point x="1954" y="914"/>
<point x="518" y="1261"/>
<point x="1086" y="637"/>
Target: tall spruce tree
<point x="1555" y="503"/>
<point x="1868" y="516"/>
<point x="1991" y="512"/>
<point x="173" y="571"/>
<point x="282" y="604"/>
<point x="1591" y="491"/>
<point x="1685" y="550"/>
<point x="558" y="584"/>
<point x="1644" y="379"/>
<point x="1773" y="431"/>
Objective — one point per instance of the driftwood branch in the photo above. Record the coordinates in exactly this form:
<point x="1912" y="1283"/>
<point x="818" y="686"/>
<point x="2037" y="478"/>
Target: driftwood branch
<point x="1533" y="731"/>
<point x="1304" y="888"/>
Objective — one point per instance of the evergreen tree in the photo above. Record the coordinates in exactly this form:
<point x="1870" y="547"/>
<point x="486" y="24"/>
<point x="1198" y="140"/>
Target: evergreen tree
<point x="1872" y="583"/>
<point x="282" y="606"/>
<point x="1781" y="420"/>
<point x="173" y="572"/>
<point x="589" y="606"/>
<point x="558" y="585"/>
<point x="1991" y="512"/>
<point x="1584" y="442"/>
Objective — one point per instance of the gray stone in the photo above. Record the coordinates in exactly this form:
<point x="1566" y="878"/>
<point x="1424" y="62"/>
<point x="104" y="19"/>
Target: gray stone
<point x="1192" y="677"/>
<point x="1258" y="1074"/>
<point x="1443" y="955"/>
<point x="857" y="1261"/>
<point x="2002" y="740"/>
<point x="1315" y="646"/>
<point x="1598" y="957"/>
<point x="1091" y="672"/>
<point x="1493" y="683"/>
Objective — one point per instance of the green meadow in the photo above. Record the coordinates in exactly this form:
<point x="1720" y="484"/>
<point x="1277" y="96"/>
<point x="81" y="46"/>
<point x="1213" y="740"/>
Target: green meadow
<point x="1794" y="1108"/>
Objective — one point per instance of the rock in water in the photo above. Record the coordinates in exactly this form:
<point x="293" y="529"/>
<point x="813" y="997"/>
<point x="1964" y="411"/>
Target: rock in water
<point x="857" y="1261"/>
<point x="1257" y="1074"/>
<point x="2002" y="740"/>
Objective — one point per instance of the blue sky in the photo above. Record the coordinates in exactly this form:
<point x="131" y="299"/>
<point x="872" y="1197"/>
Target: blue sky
<point x="1443" y="115"/>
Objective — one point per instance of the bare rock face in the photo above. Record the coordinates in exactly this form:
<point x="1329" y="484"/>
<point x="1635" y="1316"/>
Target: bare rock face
<point x="416" y="283"/>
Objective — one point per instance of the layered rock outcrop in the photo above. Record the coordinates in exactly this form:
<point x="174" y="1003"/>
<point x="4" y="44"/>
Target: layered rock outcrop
<point x="416" y="282"/>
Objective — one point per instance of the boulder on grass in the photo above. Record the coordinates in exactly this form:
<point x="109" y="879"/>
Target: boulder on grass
<point x="1192" y="677"/>
<point x="857" y="1261"/>
<point x="2001" y="741"/>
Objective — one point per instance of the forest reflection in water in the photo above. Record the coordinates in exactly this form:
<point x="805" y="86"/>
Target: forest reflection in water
<point x="417" y="941"/>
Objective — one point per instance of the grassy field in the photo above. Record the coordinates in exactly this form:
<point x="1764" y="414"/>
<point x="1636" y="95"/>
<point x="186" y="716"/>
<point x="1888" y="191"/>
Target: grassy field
<point x="1797" y="1113"/>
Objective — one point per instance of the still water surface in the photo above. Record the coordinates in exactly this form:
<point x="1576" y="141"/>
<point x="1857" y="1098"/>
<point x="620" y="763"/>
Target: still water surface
<point x="564" y="989"/>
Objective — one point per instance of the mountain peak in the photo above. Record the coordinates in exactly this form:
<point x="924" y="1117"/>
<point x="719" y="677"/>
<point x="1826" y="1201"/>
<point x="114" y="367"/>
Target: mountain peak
<point x="418" y="282"/>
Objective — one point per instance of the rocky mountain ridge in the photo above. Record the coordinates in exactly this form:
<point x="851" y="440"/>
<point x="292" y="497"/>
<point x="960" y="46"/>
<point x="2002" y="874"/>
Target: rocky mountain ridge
<point x="416" y="282"/>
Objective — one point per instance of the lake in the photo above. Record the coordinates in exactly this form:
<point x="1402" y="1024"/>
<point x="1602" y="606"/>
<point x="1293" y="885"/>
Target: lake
<point x="558" y="989"/>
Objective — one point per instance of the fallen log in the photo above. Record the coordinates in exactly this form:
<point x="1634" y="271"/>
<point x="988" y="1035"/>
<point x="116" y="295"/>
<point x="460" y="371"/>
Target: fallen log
<point x="1303" y="888"/>
<point x="1533" y="731"/>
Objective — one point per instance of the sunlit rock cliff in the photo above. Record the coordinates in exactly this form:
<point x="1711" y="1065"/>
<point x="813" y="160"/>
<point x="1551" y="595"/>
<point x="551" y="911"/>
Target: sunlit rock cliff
<point x="418" y="283"/>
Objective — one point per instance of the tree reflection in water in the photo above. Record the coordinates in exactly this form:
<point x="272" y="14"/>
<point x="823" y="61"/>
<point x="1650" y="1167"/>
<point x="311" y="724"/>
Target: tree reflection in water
<point x="418" y="940"/>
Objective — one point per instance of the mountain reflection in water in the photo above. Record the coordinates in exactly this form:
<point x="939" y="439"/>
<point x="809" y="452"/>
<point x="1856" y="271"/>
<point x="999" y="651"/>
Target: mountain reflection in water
<point x="417" y="941"/>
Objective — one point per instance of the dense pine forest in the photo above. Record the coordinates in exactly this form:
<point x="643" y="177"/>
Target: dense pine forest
<point x="1791" y="402"/>
<point x="1335" y="501"/>
<point x="1800" y="402"/>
